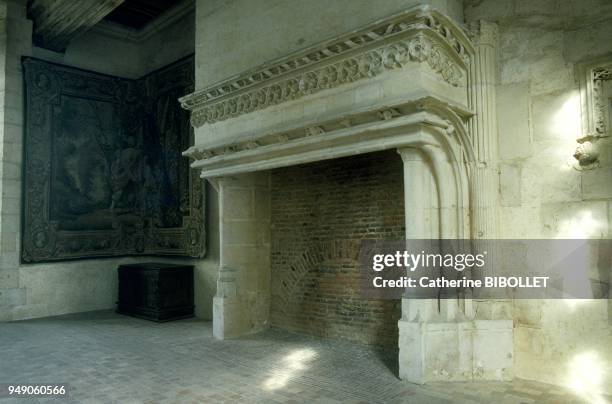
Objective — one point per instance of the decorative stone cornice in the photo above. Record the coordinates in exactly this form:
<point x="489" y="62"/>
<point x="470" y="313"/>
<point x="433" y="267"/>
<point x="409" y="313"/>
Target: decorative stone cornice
<point x="418" y="35"/>
<point x="447" y="117"/>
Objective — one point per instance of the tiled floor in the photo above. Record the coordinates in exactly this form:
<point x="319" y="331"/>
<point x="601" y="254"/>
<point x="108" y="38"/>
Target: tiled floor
<point x="105" y="357"/>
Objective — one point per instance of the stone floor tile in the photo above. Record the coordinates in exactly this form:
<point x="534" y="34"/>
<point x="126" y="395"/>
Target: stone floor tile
<point x="108" y="358"/>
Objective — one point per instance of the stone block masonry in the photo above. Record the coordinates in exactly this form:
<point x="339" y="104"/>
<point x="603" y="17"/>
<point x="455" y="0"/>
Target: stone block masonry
<point x="320" y="213"/>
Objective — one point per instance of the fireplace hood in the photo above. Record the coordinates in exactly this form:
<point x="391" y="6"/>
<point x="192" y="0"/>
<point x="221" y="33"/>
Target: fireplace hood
<point x="400" y="81"/>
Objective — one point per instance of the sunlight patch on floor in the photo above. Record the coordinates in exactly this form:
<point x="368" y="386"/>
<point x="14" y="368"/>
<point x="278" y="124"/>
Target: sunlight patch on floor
<point x="293" y="364"/>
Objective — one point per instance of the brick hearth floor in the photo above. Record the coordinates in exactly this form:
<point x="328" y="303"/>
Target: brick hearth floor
<point x="105" y="357"/>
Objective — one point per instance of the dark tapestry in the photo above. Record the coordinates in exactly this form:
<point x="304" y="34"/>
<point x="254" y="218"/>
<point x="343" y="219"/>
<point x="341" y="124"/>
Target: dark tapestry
<point x="104" y="174"/>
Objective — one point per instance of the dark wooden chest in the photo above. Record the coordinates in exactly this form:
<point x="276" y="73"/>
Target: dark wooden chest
<point x="158" y="292"/>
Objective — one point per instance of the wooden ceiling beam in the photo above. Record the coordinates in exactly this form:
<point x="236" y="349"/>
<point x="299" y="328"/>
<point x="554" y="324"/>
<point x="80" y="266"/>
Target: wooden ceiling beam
<point x="57" y="22"/>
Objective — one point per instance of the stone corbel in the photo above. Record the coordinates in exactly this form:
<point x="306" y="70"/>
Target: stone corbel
<point x="587" y="153"/>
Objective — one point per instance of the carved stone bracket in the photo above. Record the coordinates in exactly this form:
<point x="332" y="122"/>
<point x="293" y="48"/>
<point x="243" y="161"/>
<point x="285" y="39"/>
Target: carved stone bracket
<point x="418" y="35"/>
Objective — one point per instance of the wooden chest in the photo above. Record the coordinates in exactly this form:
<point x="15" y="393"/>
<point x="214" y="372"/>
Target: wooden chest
<point x="154" y="291"/>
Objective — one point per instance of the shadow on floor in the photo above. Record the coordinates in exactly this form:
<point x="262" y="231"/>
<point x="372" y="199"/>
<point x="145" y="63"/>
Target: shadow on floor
<point x="390" y="358"/>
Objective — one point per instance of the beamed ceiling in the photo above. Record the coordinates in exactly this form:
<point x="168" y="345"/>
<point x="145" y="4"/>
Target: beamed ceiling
<point x="57" y="22"/>
<point x="138" y="13"/>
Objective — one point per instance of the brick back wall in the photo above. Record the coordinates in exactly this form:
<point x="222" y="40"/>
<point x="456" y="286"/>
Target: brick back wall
<point x="320" y="212"/>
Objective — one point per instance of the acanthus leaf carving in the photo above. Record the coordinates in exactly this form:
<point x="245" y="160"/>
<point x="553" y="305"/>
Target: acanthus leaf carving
<point x="421" y="36"/>
<point x="369" y="64"/>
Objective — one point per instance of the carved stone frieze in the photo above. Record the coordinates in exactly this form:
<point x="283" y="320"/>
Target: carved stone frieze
<point x="596" y="97"/>
<point x="103" y="170"/>
<point x="600" y="104"/>
<point x="420" y="35"/>
<point x="594" y="77"/>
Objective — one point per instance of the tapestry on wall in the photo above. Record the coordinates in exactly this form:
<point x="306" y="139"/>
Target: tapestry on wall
<point x="103" y="170"/>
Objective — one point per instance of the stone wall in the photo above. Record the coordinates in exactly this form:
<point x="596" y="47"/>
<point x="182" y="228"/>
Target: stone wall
<point x="233" y="36"/>
<point x="18" y="33"/>
<point x="28" y="291"/>
<point x="542" y="193"/>
<point x="320" y="212"/>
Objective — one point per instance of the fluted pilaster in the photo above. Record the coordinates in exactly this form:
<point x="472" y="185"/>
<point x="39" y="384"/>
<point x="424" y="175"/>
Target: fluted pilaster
<point x="483" y="130"/>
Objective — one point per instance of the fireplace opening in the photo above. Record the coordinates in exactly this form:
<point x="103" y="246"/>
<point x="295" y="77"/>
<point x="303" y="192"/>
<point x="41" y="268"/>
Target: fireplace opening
<point x="320" y="212"/>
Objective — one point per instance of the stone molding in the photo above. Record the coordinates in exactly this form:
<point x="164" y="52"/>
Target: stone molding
<point x="595" y="110"/>
<point x="598" y="76"/>
<point x="481" y="92"/>
<point x="482" y="99"/>
<point x="483" y="33"/>
<point x="419" y="35"/>
<point x="592" y="77"/>
<point x="428" y="111"/>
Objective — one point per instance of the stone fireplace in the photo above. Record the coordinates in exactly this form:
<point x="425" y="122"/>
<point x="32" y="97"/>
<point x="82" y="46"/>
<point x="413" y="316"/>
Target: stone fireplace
<point x="412" y="84"/>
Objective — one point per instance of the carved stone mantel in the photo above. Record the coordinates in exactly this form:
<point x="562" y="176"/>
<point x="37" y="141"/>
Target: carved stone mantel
<point x="418" y="35"/>
<point x="393" y="66"/>
<point x="408" y="125"/>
